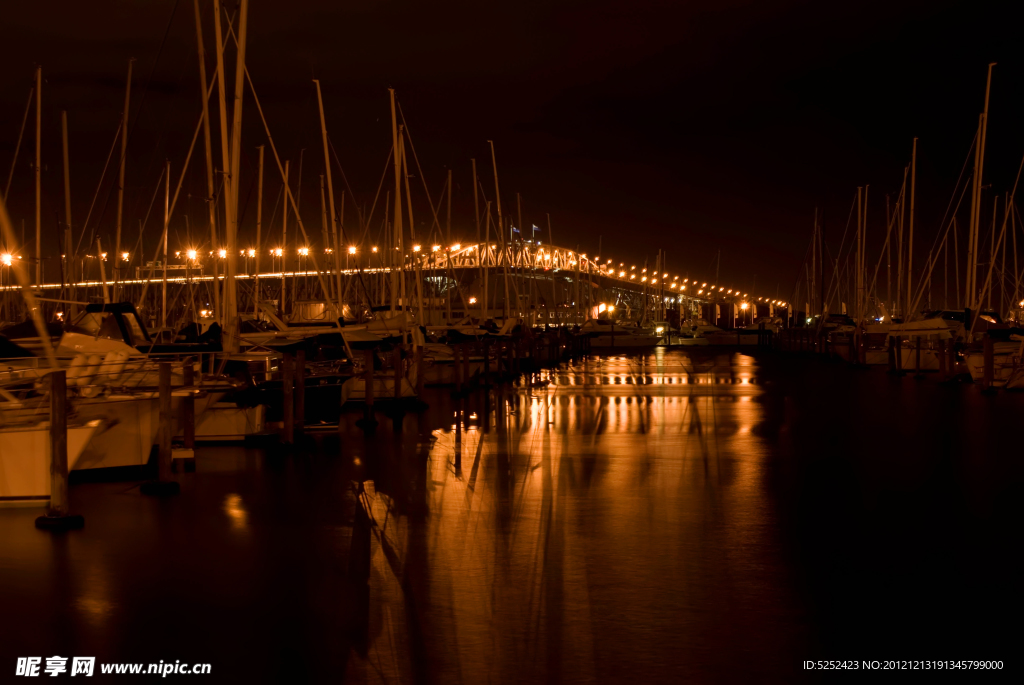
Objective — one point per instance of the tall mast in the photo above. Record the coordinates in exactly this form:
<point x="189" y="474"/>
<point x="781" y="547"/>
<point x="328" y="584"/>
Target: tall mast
<point x="479" y="246"/>
<point x="167" y="218"/>
<point x="330" y="189"/>
<point x="857" y="260"/>
<point x="231" y="308"/>
<point x="397" y="222"/>
<point x="259" y="232"/>
<point x="284" y="247"/>
<point x="910" y="237"/>
<point x="68" y="249"/>
<point x="210" y="206"/>
<point x="38" y="170"/>
<point x="979" y="175"/>
<point x="448" y="249"/>
<point x="225" y="157"/>
<point x="120" y="175"/>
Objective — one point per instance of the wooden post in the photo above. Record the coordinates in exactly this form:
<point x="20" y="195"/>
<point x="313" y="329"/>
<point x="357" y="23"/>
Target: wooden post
<point x="397" y="361"/>
<point x="189" y="409"/>
<point x="300" y="391"/>
<point x="951" y="351"/>
<point x="457" y="377"/>
<point x="988" y="374"/>
<point x="57" y="514"/>
<point x="368" y="423"/>
<point x="419" y="371"/>
<point x="163" y="485"/>
<point x="288" y="398"/>
<point x="487" y="364"/>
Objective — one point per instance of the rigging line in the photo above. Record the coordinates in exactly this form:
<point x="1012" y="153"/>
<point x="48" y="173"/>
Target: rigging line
<point x="344" y="178"/>
<point x="924" y="282"/>
<point x="1002" y="236"/>
<point x="950" y="204"/>
<point x="373" y="208"/>
<point x="423" y="179"/>
<point x="99" y="185"/>
<point x="839" y="254"/>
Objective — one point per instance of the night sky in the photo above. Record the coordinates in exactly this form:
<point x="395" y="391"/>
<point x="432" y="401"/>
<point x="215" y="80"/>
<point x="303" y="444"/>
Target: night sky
<point x="684" y="126"/>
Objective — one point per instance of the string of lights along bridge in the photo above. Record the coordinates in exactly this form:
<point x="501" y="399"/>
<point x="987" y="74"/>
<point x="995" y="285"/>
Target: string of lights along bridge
<point x="192" y="264"/>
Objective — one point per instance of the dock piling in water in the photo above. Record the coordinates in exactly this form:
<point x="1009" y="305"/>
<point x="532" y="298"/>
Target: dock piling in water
<point x="58" y="516"/>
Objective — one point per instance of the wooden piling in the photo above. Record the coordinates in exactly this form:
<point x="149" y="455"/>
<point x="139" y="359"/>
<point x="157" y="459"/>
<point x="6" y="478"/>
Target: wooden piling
<point x="188" y="411"/>
<point x="456" y="369"/>
<point x="288" y="399"/>
<point x="300" y="391"/>
<point x="397" y="361"/>
<point x="163" y="485"/>
<point x="58" y="516"/>
<point x="988" y="373"/>
<point x="419" y="371"/>
<point x="368" y="422"/>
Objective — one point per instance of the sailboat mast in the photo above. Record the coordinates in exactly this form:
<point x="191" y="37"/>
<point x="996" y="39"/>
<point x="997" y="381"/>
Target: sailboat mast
<point x="259" y="238"/>
<point x="38" y="172"/>
<point x="210" y="206"/>
<point x="120" y="175"/>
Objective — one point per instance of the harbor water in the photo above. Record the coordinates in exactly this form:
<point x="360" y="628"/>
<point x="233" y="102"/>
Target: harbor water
<point x="685" y="515"/>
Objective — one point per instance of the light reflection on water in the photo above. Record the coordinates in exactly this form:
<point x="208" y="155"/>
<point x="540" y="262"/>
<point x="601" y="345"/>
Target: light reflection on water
<point x="612" y="523"/>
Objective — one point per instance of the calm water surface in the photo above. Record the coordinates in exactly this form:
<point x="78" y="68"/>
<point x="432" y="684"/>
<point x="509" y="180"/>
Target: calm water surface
<point x="687" y="516"/>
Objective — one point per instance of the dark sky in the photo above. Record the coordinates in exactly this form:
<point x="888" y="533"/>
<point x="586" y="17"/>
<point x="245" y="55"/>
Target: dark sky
<point x="684" y="126"/>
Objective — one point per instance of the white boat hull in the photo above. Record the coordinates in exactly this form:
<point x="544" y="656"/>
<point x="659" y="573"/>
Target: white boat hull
<point x="25" y="458"/>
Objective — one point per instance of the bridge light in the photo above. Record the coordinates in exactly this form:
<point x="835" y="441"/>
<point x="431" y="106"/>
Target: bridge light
<point x="547" y="256"/>
<point x="222" y="253"/>
<point x="124" y="256"/>
<point x="456" y="246"/>
<point x="621" y="274"/>
<point x="632" y="276"/>
<point x="252" y="252"/>
<point x="664" y="275"/>
<point x="683" y="288"/>
<point x="6" y="259"/>
<point x="602" y="307"/>
<point x="633" y="268"/>
<point x="191" y="254"/>
<point x="277" y="252"/>
<point x="304" y="251"/>
<point x="611" y="308"/>
<point x="415" y="248"/>
<point x="721" y="289"/>
<point x="644" y="279"/>
<point x="374" y="249"/>
<point x="700" y="292"/>
<point x="704" y="285"/>
<point x="351" y="249"/>
<point x="673" y="285"/>
<point x="730" y="290"/>
<point x="472" y="300"/>
<point x="744" y="306"/>
<point x="435" y="248"/>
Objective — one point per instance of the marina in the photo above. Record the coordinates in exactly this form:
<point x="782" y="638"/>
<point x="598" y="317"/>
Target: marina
<point x="514" y="399"/>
